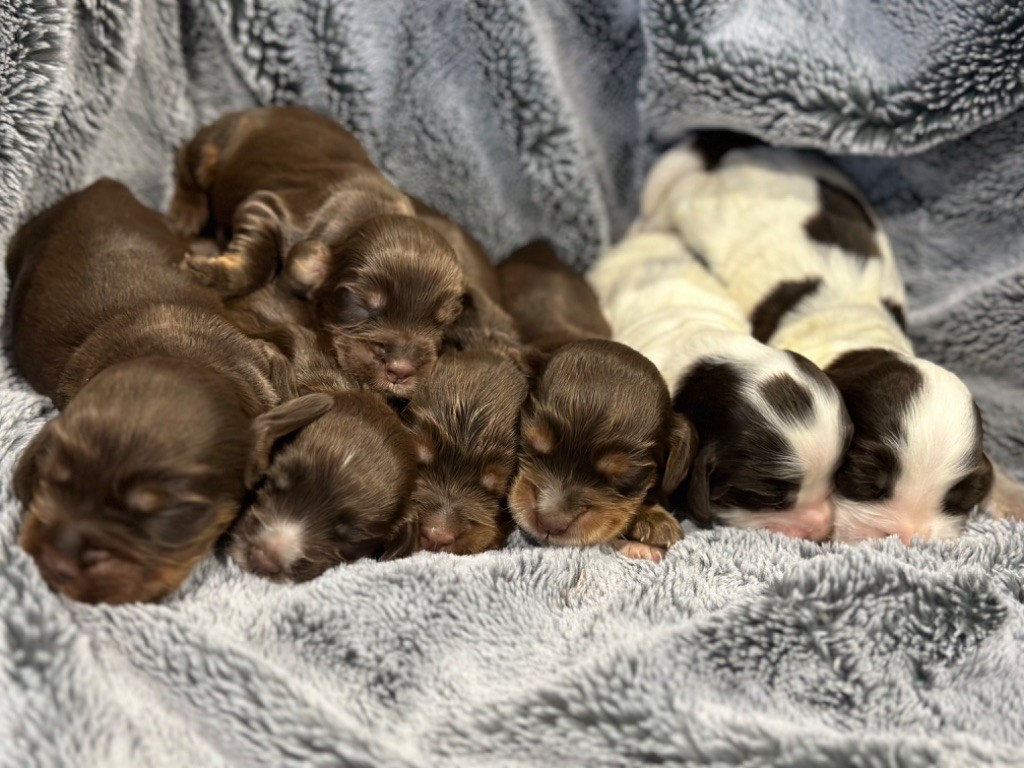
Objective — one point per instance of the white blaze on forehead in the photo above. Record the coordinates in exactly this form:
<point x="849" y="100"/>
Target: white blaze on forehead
<point x="937" y="444"/>
<point x="282" y="540"/>
<point x="817" y="441"/>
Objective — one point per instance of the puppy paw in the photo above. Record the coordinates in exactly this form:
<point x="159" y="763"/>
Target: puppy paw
<point x="656" y="527"/>
<point x="224" y="273"/>
<point x="636" y="550"/>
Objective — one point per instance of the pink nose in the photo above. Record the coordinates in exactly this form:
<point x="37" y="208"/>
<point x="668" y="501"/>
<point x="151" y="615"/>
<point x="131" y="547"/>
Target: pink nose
<point x="554" y="527"/>
<point x="434" y="537"/>
<point x="399" y="370"/>
<point x="261" y="562"/>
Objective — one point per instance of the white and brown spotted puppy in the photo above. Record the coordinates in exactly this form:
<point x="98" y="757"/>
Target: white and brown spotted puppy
<point x="772" y="429"/>
<point x="805" y="257"/>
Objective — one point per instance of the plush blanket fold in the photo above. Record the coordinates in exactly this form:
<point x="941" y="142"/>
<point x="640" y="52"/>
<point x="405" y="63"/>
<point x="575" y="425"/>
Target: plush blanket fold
<point x="539" y="118"/>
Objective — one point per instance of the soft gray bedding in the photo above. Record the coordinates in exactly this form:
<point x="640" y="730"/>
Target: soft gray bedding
<point x="538" y="117"/>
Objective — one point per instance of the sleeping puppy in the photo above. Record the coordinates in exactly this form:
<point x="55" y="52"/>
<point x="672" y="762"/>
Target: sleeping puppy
<point x="337" y="470"/>
<point x="599" y="444"/>
<point x="772" y="427"/>
<point x="294" y="193"/>
<point x="465" y="422"/>
<point x="129" y="487"/>
<point x="804" y="254"/>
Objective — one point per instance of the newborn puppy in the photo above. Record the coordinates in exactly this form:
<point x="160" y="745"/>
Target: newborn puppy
<point x="772" y="427"/>
<point x="599" y="443"/>
<point x="337" y="472"/>
<point x="796" y="244"/>
<point x="129" y="487"/>
<point x="465" y="421"/>
<point x="295" y="193"/>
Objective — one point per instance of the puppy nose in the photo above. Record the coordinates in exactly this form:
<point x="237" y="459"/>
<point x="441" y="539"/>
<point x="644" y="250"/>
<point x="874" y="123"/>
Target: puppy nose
<point x="399" y="370"/>
<point x="261" y="562"/>
<point x="555" y="527"/>
<point x="57" y="568"/>
<point x="434" y="537"/>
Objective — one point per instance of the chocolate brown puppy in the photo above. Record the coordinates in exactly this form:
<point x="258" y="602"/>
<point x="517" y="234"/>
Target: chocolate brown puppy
<point x="600" y="445"/>
<point x="128" y="488"/>
<point x="338" y="469"/>
<point x="465" y="422"/>
<point x="294" y="193"/>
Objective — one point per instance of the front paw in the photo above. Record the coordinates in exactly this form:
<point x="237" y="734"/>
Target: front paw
<point x="224" y="273"/>
<point x="655" y="526"/>
<point x="636" y="550"/>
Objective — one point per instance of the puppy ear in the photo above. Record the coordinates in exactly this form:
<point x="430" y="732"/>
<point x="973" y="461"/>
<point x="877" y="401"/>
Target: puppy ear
<point x="307" y="266"/>
<point x="682" y="442"/>
<point x="698" y="497"/>
<point x="26" y="473"/>
<point x="404" y="539"/>
<point x="271" y="426"/>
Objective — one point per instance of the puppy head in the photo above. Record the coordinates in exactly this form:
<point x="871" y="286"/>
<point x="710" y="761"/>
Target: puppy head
<point x="128" y="488"/>
<point x="336" y="473"/>
<point x="464" y="422"/>
<point x="773" y="431"/>
<point x="597" y="439"/>
<point x="385" y="294"/>
<point x="916" y="466"/>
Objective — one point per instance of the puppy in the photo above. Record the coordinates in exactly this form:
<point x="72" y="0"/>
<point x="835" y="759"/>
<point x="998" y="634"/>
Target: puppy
<point x="296" y="194"/>
<point x="129" y="487"/>
<point x="465" y="422"/>
<point x="599" y="444"/>
<point x="803" y="253"/>
<point x="772" y="427"/>
<point x="337" y="471"/>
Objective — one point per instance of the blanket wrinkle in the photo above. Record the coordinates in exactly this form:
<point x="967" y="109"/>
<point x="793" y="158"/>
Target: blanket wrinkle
<point x="539" y="118"/>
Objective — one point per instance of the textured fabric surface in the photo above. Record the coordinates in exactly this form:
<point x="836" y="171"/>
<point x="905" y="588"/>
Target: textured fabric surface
<point x="526" y="118"/>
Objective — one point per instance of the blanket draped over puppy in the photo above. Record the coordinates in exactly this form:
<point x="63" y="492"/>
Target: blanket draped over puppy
<point x="524" y="119"/>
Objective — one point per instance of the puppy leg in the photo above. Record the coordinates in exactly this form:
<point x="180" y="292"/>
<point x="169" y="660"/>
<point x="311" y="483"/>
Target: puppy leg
<point x="253" y="256"/>
<point x="652" y="531"/>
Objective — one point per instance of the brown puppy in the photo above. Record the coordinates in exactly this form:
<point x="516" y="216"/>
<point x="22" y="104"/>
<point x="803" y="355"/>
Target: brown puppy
<point x="338" y="472"/>
<point x="338" y="464"/>
<point x="295" y="192"/>
<point x="128" y="488"/>
<point x="599" y="443"/>
<point x="465" y="423"/>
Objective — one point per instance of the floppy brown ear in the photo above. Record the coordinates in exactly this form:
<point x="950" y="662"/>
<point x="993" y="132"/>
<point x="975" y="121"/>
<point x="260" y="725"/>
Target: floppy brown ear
<point x="404" y="539"/>
<point x="26" y="471"/>
<point x="278" y="422"/>
<point x="698" y="497"/>
<point x="307" y="266"/>
<point x="682" y="441"/>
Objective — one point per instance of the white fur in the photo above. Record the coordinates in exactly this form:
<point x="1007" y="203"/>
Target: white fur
<point x="746" y="218"/>
<point x="662" y="302"/>
<point x="283" y="540"/>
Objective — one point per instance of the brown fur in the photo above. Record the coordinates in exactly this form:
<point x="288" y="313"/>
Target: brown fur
<point x="144" y="468"/>
<point x="600" y="446"/>
<point x="338" y="468"/>
<point x="296" y="192"/>
<point x="465" y="424"/>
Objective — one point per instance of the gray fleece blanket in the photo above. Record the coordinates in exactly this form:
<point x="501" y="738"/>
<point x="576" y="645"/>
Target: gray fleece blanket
<point x="524" y="118"/>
